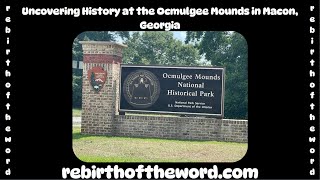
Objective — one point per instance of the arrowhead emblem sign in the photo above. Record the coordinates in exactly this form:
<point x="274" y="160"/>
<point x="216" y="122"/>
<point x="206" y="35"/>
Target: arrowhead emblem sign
<point x="97" y="77"/>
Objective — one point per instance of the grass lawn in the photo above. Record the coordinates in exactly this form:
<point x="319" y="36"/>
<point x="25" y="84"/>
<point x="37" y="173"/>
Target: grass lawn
<point x="76" y="112"/>
<point x="123" y="149"/>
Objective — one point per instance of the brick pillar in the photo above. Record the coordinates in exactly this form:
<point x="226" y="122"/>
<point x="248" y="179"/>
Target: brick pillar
<point x="100" y="101"/>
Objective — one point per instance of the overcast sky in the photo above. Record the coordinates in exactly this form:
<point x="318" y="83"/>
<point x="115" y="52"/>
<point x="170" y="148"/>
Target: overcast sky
<point x="181" y="35"/>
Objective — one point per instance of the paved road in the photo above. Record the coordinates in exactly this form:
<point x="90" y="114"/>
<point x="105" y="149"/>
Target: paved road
<point x="76" y="120"/>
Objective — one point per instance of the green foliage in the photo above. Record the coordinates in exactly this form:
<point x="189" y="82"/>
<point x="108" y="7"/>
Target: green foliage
<point x="159" y="48"/>
<point x="230" y="50"/>
<point x="76" y="91"/>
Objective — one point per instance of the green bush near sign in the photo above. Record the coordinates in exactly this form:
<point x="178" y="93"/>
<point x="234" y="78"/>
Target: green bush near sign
<point x="76" y="91"/>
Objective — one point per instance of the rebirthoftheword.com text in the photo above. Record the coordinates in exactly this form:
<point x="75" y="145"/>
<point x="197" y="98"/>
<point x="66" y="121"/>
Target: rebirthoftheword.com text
<point x="157" y="173"/>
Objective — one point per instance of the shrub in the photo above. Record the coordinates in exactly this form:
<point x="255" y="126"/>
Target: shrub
<point x="76" y="91"/>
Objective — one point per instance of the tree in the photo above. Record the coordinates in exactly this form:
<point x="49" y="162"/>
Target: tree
<point x="227" y="49"/>
<point x="159" y="48"/>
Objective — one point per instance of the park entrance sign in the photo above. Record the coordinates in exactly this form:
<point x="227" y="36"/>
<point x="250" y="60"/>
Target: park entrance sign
<point x="110" y="90"/>
<point x="174" y="90"/>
